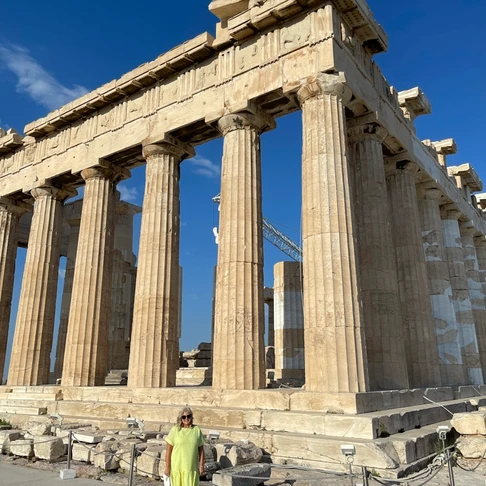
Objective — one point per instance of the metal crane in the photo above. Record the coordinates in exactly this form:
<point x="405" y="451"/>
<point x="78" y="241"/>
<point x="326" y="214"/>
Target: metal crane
<point x="274" y="236"/>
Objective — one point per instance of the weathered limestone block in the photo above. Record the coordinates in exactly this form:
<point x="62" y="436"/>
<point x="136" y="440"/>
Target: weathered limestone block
<point x="105" y="455"/>
<point x="88" y="437"/>
<point x="229" y="477"/>
<point x="22" y="447"/>
<point x="209" y="453"/>
<point x="6" y="437"/>
<point x="83" y="452"/>
<point x="48" y="447"/>
<point x="471" y="447"/>
<point x="470" y="423"/>
<point x="148" y="462"/>
<point x="238" y="453"/>
<point x="38" y="427"/>
<point x="124" y="452"/>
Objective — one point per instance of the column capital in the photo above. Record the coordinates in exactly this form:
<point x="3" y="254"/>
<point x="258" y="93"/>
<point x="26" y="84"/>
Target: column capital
<point x="467" y="228"/>
<point x="105" y="170"/>
<point x="367" y="131"/>
<point x="399" y="164"/>
<point x="167" y="145"/>
<point x="57" y="193"/>
<point x="322" y="83"/>
<point x="13" y="206"/>
<point x="450" y="211"/>
<point x="251" y="117"/>
<point x="428" y="190"/>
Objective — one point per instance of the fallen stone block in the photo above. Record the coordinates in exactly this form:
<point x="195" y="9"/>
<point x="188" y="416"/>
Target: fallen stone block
<point x="472" y="447"/>
<point x="49" y="448"/>
<point x="471" y="423"/>
<point x="22" y="447"/>
<point x="149" y="460"/>
<point x="232" y="475"/>
<point x="106" y="455"/>
<point x="39" y="427"/>
<point x="88" y="437"/>
<point x="244" y="453"/>
<point x="6" y="437"/>
<point x="83" y="452"/>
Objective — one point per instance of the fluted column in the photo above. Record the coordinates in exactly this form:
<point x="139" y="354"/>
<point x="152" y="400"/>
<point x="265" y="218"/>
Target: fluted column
<point x="154" y="349"/>
<point x="10" y="213"/>
<point x="335" y="350"/>
<point x="86" y="354"/>
<point x="446" y="328"/>
<point x="30" y="360"/>
<point x="460" y="295"/>
<point x="66" y="295"/>
<point x="238" y="347"/>
<point x="289" y="321"/>
<point x="377" y="263"/>
<point x="480" y="245"/>
<point x="420" y="339"/>
<point x="475" y="286"/>
<point x="121" y="300"/>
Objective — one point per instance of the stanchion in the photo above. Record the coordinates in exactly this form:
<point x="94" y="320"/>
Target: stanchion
<point x="442" y="431"/>
<point x="69" y="451"/>
<point x="132" y="465"/>
<point x="366" y="481"/>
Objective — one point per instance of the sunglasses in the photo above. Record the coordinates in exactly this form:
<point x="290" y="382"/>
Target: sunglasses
<point x="188" y="417"/>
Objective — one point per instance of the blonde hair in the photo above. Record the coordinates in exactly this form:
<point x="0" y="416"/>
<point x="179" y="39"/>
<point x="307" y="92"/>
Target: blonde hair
<point x="184" y="411"/>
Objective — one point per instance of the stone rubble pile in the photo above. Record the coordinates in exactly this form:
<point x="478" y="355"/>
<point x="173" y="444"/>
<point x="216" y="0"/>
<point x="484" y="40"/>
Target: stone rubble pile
<point x="472" y="428"/>
<point x="197" y="358"/>
<point x="111" y="450"/>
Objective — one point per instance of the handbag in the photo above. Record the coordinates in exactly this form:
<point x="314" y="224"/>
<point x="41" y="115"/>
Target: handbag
<point x="166" y="480"/>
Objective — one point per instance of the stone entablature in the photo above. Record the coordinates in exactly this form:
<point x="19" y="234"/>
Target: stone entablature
<point x="465" y="175"/>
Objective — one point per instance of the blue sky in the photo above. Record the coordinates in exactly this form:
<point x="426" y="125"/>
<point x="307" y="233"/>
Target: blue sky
<point x="56" y="50"/>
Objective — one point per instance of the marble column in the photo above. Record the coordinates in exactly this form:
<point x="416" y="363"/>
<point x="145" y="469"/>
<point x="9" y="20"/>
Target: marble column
<point x="446" y="328"/>
<point x="460" y="295"/>
<point x="335" y="349"/>
<point x="289" y="321"/>
<point x="419" y="336"/>
<point x="66" y="295"/>
<point x="480" y="245"/>
<point x="154" y="348"/>
<point x="268" y="296"/>
<point x="86" y="354"/>
<point x="10" y="213"/>
<point x="475" y="286"/>
<point x="239" y="324"/>
<point x="31" y="349"/>
<point x="377" y="262"/>
<point x="121" y="300"/>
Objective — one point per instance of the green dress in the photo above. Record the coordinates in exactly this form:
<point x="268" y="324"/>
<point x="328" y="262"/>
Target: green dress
<point x="184" y="463"/>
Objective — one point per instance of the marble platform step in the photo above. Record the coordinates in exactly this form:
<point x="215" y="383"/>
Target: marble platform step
<point x="29" y="396"/>
<point x="364" y="426"/>
<point x="22" y="410"/>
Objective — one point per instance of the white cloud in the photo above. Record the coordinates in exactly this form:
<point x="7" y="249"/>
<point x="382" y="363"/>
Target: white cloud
<point x="128" y="194"/>
<point x="35" y="81"/>
<point x="204" y="167"/>
<point x="62" y="273"/>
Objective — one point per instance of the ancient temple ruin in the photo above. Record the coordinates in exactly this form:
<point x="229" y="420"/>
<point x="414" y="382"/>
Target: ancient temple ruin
<point x="394" y="262"/>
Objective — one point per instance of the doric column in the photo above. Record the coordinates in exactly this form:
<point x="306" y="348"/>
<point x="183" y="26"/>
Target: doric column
<point x="86" y="354"/>
<point x="480" y="244"/>
<point x="154" y="349"/>
<point x="10" y="213"/>
<point x="335" y="351"/>
<point x="31" y="349"/>
<point x="377" y="263"/>
<point x="460" y="295"/>
<point x="268" y="295"/>
<point x="419" y="337"/>
<point x="289" y="321"/>
<point x="121" y="300"/>
<point x="446" y="328"/>
<point x="238" y="346"/>
<point x="475" y="286"/>
<point x="66" y="295"/>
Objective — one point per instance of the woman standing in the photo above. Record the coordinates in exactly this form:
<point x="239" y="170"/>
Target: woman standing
<point x="184" y="458"/>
